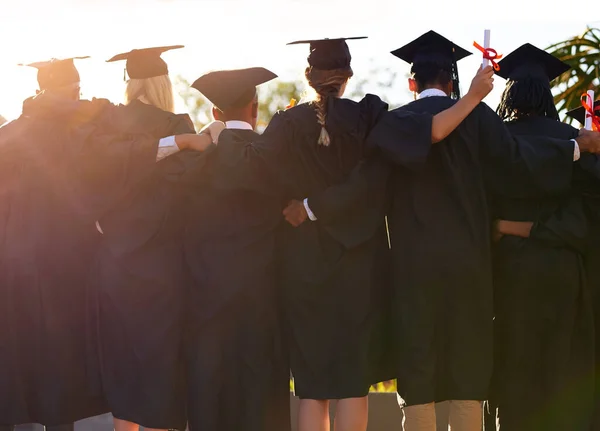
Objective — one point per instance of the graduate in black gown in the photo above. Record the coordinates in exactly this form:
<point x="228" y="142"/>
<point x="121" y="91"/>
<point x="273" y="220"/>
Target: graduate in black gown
<point x="331" y="270"/>
<point x="439" y="226"/>
<point x="238" y="372"/>
<point x="62" y="164"/>
<point x="544" y="334"/>
<point x="137" y="281"/>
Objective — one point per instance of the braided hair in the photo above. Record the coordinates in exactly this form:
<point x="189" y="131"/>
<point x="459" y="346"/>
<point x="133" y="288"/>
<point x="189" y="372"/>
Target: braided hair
<point x="527" y="96"/>
<point x="326" y="83"/>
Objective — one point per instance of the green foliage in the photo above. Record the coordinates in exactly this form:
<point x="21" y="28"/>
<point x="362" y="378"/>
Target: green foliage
<point x="582" y="53"/>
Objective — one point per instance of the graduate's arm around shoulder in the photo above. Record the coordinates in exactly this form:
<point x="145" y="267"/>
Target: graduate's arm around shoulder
<point x="405" y="137"/>
<point x="261" y="165"/>
<point x="369" y="175"/>
<point x="526" y="166"/>
<point x="567" y="226"/>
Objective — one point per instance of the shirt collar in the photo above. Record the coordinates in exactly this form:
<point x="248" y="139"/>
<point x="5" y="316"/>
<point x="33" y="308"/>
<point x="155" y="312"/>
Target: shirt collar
<point x="431" y="92"/>
<point x="236" y="124"/>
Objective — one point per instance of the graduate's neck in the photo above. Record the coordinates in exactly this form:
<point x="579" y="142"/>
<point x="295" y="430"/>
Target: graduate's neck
<point x="435" y="87"/>
<point x="247" y="114"/>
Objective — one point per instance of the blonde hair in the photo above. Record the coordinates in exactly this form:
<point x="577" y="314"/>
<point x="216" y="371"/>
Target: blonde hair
<point x="157" y="91"/>
<point x="326" y="83"/>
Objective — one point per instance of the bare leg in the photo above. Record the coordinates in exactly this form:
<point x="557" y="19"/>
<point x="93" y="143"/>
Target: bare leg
<point x="121" y="425"/>
<point x="420" y="418"/>
<point x="313" y="415"/>
<point x="352" y="414"/>
<point x="442" y="415"/>
<point x="466" y="416"/>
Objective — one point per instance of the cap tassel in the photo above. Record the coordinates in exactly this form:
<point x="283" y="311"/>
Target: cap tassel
<point x="125" y="74"/>
<point x="455" y="81"/>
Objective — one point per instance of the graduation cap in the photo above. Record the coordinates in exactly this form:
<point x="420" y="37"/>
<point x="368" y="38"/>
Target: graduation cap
<point x="530" y="61"/>
<point x="579" y="113"/>
<point x="56" y="73"/>
<point x="329" y="54"/>
<point x="228" y="89"/>
<point x="146" y="62"/>
<point x="431" y="46"/>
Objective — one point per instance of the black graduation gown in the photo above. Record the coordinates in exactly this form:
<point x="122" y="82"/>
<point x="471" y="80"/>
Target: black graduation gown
<point x="440" y="234"/>
<point x="61" y="165"/>
<point x="139" y="287"/>
<point x="544" y="346"/>
<point x="331" y="269"/>
<point x="238" y="372"/>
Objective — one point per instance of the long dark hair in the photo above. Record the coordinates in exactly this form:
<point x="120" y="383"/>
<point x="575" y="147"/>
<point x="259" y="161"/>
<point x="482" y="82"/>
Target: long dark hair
<point x="525" y="97"/>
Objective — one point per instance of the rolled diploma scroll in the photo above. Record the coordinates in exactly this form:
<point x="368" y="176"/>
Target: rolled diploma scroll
<point x="486" y="45"/>
<point x="588" y="115"/>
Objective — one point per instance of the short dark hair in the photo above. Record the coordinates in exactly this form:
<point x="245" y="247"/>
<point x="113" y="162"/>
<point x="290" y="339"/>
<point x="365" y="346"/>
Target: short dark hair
<point x="435" y="72"/>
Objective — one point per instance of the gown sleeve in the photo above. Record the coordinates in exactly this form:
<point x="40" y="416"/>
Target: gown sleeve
<point x="108" y="164"/>
<point x="567" y="226"/>
<point x="366" y="180"/>
<point x="403" y="137"/>
<point x="260" y="166"/>
<point x="521" y="167"/>
<point x="400" y="137"/>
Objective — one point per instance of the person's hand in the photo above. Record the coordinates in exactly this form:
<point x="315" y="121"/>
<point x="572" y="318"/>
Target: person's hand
<point x="588" y="141"/>
<point x="295" y="213"/>
<point x="513" y="228"/>
<point x="213" y="129"/>
<point x="496" y="234"/>
<point x="482" y="84"/>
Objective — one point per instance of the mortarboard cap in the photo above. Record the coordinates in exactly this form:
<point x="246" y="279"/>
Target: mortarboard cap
<point x="56" y="73"/>
<point x="431" y="46"/>
<point x="228" y="89"/>
<point x="530" y="61"/>
<point x="579" y="113"/>
<point x="145" y="63"/>
<point x="329" y="54"/>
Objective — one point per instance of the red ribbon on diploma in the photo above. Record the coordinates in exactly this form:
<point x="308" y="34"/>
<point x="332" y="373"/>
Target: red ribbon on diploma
<point x="489" y="54"/>
<point x="590" y="111"/>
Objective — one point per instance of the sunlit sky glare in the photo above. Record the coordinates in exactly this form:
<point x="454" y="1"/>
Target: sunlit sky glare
<point x="242" y="33"/>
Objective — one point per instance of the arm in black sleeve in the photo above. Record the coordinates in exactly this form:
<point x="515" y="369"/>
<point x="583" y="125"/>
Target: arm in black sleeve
<point x="521" y="167"/>
<point x="364" y="183"/>
<point x="260" y="166"/>
<point x="567" y="226"/>
<point x="403" y="137"/>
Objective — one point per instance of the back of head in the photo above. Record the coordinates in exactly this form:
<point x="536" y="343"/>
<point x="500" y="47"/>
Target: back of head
<point x="156" y="91"/>
<point x="326" y="83"/>
<point x="526" y="97"/>
<point x="59" y="76"/>
<point x="434" y="62"/>
<point x="429" y="73"/>
<point x="233" y="92"/>
<point x="328" y="73"/>
<point x="529" y="71"/>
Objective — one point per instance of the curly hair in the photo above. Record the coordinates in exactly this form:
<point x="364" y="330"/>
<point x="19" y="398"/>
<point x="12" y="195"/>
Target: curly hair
<point x="529" y="96"/>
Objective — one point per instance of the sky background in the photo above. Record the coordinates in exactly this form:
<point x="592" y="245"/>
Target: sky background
<point x="244" y="33"/>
